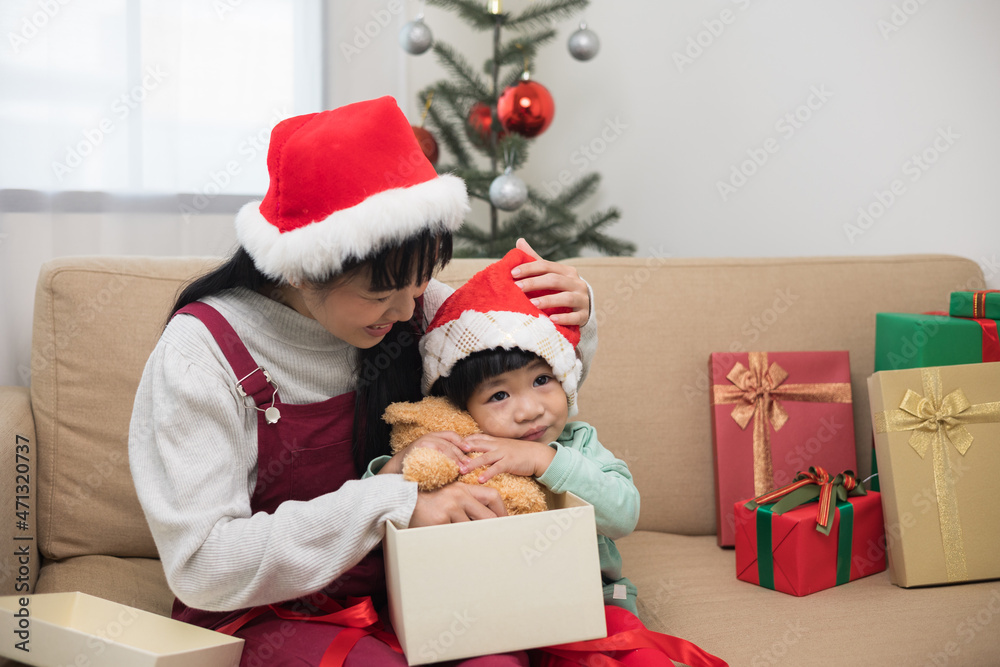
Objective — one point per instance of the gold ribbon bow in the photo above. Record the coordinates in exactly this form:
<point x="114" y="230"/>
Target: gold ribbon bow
<point x="934" y="422"/>
<point x="757" y="393"/>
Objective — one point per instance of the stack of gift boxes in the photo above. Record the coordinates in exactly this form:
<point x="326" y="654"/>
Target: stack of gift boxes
<point x="783" y="436"/>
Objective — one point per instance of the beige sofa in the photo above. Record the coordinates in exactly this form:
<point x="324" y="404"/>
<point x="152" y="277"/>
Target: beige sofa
<point x="96" y="319"/>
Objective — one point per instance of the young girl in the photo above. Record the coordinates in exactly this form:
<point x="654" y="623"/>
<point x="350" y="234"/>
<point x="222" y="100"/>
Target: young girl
<point x="492" y="352"/>
<point x="509" y="360"/>
<point x="252" y="419"/>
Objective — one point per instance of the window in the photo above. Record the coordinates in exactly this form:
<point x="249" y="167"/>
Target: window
<point x="152" y="96"/>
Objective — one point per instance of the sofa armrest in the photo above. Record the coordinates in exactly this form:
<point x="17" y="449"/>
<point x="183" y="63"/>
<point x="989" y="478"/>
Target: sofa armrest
<point x="19" y="561"/>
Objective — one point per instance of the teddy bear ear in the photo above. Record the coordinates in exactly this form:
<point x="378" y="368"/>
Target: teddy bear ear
<point x="399" y="412"/>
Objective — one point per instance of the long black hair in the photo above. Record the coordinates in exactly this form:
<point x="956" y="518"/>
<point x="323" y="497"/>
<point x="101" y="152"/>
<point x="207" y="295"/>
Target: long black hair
<point x="237" y="271"/>
<point x="386" y="373"/>
<point x="473" y="370"/>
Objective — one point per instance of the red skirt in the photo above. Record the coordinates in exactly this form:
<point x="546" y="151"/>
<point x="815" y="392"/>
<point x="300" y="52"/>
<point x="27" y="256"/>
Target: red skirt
<point x="628" y="643"/>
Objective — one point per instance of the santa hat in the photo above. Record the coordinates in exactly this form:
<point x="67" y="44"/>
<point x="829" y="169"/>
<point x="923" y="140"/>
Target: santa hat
<point x="490" y="311"/>
<point x="343" y="184"/>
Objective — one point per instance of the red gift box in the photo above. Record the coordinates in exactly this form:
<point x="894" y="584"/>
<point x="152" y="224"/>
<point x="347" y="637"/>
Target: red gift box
<point x="802" y="560"/>
<point x="774" y="413"/>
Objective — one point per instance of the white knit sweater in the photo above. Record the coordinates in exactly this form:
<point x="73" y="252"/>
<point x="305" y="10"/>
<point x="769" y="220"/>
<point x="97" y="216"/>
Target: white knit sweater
<point x="193" y="456"/>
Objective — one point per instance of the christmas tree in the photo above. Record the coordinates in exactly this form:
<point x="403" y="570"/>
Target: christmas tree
<point x="487" y="121"/>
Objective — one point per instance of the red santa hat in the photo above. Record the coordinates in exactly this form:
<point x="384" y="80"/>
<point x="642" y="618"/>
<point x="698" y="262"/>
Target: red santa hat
<point x="343" y="184"/>
<point x="490" y="311"/>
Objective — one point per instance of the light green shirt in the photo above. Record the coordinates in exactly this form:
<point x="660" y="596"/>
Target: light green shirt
<point x="583" y="467"/>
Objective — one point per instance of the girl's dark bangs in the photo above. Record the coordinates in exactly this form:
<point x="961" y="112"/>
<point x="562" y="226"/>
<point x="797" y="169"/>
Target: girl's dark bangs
<point x="473" y="370"/>
<point x="394" y="267"/>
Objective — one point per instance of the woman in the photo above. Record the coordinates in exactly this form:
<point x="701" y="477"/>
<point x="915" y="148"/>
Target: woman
<point x="262" y="401"/>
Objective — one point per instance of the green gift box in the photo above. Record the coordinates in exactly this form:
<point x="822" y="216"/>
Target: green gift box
<point x="979" y="304"/>
<point x="907" y="340"/>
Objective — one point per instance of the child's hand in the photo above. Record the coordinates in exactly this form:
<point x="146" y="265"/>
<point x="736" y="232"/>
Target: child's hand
<point x="517" y="457"/>
<point x="571" y="290"/>
<point x="446" y="442"/>
<point x="454" y="503"/>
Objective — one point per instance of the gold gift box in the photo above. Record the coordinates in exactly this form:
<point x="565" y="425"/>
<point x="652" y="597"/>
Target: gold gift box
<point x="937" y="438"/>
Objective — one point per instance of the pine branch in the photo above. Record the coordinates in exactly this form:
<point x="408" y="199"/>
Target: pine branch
<point x="474" y="13"/>
<point x="512" y="77"/>
<point x="579" y="190"/>
<point x="610" y="245"/>
<point x="477" y="182"/>
<point x="559" y="217"/>
<point x="544" y="13"/>
<point x="516" y="146"/>
<point x="457" y="97"/>
<point x="460" y="67"/>
<point x="475" y="242"/>
<point x="446" y="135"/>
<point x="592" y="235"/>
<point x="471" y="234"/>
<point x="517" y="50"/>
<point x="456" y="102"/>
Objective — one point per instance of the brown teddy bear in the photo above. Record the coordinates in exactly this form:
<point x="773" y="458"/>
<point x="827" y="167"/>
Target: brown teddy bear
<point x="431" y="469"/>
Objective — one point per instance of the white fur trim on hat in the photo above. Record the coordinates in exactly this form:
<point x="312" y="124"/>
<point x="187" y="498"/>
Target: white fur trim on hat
<point x="322" y="247"/>
<point x="443" y="346"/>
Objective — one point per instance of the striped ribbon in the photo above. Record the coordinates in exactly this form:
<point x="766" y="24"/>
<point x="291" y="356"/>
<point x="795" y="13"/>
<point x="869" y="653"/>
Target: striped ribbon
<point x="979" y="302"/>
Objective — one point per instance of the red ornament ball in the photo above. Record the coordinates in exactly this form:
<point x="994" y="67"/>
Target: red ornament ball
<point x="480" y="121"/>
<point x="526" y="108"/>
<point x="428" y="144"/>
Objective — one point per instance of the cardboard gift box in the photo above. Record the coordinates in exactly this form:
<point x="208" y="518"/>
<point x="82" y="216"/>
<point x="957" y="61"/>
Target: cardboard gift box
<point x="483" y="587"/>
<point x="937" y="436"/>
<point x="773" y="414"/>
<point x="785" y="551"/>
<point x="978" y="304"/>
<point x="78" y="629"/>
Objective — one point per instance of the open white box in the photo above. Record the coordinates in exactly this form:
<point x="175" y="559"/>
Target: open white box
<point x="484" y="587"/>
<point x="79" y="630"/>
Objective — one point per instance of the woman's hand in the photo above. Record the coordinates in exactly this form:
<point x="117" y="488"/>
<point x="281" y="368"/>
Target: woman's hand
<point x="517" y="457"/>
<point x="570" y="289"/>
<point x="446" y="442"/>
<point x="455" y="503"/>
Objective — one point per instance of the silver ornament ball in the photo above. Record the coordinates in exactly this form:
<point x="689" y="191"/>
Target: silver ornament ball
<point x="584" y="44"/>
<point x="415" y="37"/>
<point x="508" y="192"/>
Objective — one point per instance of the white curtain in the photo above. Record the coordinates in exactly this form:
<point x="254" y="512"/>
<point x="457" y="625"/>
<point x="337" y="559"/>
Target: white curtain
<point x="138" y="127"/>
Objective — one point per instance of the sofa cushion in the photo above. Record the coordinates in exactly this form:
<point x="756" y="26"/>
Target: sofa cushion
<point x="688" y="588"/>
<point x="647" y="393"/>
<point x="137" y="582"/>
<point x="96" y="321"/>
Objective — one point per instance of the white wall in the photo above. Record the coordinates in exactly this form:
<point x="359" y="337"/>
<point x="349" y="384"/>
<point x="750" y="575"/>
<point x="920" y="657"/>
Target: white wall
<point x="895" y="79"/>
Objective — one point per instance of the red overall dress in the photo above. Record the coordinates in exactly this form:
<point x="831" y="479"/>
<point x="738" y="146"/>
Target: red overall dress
<point x="304" y="454"/>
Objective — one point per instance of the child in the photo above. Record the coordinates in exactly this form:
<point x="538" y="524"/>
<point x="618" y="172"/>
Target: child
<point x="492" y="351"/>
<point x="495" y="354"/>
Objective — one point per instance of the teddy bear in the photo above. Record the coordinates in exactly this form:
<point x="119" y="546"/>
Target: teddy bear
<point x="431" y="469"/>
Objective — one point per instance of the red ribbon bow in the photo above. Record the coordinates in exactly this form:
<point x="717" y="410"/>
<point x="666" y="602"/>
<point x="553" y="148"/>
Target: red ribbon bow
<point x="843" y="485"/>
